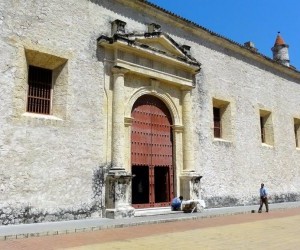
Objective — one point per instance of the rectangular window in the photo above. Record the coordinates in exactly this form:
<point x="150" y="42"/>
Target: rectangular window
<point x="217" y="123"/>
<point x="222" y="127"/>
<point x="39" y="90"/>
<point x="266" y="127"/>
<point x="262" y="130"/>
<point x="297" y="131"/>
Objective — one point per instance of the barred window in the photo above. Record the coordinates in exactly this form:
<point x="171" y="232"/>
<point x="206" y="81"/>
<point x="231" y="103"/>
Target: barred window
<point x="297" y="131"/>
<point x="39" y="90"/>
<point x="217" y="123"/>
<point x="262" y="130"/>
<point x="266" y="127"/>
<point x="222" y="128"/>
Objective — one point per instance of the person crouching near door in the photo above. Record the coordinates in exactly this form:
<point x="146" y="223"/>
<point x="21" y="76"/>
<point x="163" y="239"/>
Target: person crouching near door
<point x="176" y="203"/>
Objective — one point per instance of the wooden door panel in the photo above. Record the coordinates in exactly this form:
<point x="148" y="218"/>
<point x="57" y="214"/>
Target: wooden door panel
<point x="151" y="145"/>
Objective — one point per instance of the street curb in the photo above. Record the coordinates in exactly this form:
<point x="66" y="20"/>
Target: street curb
<point x="199" y="216"/>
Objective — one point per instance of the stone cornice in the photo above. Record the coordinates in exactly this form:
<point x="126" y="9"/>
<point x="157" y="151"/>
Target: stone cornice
<point x="151" y="73"/>
<point x="123" y="42"/>
<point x="119" y="70"/>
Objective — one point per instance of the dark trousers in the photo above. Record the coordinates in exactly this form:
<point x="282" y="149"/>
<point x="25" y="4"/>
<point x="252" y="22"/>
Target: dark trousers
<point x="263" y="200"/>
<point x="176" y="207"/>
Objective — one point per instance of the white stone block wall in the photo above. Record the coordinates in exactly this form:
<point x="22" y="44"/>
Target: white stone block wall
<point x="237" y="168"/>
<point x="49" y="165"/>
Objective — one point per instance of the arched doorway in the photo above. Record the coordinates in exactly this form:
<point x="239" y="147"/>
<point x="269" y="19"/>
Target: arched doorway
<point x="151" y="153"/>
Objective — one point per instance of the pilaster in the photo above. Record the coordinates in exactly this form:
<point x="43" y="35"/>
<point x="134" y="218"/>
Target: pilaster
<point x="128" y="125"/>
<point x="118" y="134"/>
<point x="189" y="179"/>
<point x="177" y="135"/>
<point x="118" y="180"/>
<point x="188" y="149"/>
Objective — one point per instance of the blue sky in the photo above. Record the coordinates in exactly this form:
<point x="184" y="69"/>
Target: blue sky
<point x="241" y="20"/>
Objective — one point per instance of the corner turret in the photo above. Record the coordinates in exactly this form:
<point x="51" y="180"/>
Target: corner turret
<point x="281" y="51"/>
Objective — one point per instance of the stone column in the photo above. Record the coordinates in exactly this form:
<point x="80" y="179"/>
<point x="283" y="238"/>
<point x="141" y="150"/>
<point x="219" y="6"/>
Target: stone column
<point x="118" y="180"/>
<point x="178" y="160"/>
<point x="118" y="127"/>
<point x="187" y="119"/>
<point x="189" y="179"/>
<point x="128" y="125"/>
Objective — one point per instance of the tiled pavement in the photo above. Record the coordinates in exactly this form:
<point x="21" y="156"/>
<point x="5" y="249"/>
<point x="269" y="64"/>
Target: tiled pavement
<point x="240" y="229"/>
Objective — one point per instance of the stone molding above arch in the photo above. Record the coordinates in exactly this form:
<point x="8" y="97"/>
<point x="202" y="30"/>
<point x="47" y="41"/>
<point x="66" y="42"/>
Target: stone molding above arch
<point x="154" y="55"/>
<point x="159" y="93"/>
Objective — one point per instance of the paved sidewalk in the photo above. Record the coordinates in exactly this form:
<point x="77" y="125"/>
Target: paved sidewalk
<point x="67" y="227"/>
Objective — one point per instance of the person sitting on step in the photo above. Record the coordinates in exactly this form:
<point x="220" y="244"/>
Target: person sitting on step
<point x="176" y="203"/>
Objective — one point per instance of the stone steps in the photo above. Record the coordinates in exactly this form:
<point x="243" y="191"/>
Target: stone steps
<point x="142" y="212"/>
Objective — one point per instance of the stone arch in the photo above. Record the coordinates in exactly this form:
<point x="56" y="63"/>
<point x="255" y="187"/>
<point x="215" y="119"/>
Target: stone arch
<point x="166" y="98"/>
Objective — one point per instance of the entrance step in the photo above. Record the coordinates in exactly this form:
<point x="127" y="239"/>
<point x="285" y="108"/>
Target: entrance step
<point x="141" y="212"/>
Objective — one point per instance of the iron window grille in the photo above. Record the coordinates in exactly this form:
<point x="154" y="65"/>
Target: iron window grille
<point x="263" y="130"/>
<point x="296" y="127"/>
<point x="39" y="90"/>
<point x="217" y="123"/>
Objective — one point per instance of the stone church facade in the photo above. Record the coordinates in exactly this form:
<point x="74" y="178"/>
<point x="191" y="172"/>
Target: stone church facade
<point x="108" y="107"/>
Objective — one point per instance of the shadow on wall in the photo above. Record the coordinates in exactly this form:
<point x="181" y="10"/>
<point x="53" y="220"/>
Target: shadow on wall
<point x="99" y="185"/>
<point x="25" y="213"/>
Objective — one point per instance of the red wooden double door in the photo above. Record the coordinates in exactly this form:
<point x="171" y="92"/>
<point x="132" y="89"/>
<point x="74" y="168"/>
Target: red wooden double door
<point x="151" y="153"/>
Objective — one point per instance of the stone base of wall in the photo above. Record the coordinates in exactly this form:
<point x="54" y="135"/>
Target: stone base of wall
<point x="25" y="214"/>
<point x="228" y="201"/>
<point x="290" y="197"/>
<point x="120" y="213"/>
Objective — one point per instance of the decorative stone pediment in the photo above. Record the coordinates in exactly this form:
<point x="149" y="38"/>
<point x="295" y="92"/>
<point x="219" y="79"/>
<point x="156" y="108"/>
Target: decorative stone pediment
<point x="153" y="54"/>
<point x="162" y="44"/>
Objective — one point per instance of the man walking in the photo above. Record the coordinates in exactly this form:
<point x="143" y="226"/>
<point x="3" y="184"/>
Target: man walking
<point x="263" y="198"/>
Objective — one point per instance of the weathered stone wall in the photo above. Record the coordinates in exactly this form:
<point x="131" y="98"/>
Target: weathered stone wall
<point x="48" y="164"/>
<point x="233" y="170"/>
